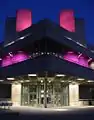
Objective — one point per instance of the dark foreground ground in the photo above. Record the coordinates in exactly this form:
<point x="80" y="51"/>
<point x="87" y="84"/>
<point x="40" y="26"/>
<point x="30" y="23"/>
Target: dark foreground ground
<point x="44" y="114"/>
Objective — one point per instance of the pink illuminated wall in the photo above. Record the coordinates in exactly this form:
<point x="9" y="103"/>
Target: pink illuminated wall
<point x="73" y="57"/>
<point x="19" y="57"/>
<point x="67" y="20"/>
<point x="83" y="61"/>
<point x="23" y="19"/>
<point x="6" y="61"/>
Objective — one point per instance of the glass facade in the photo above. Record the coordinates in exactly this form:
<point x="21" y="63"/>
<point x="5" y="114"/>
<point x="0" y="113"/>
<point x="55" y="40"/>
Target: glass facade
<point x="55" y="95"/>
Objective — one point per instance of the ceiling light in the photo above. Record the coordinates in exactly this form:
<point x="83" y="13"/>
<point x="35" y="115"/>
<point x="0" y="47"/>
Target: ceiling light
<point x="49" y="81"/>
<point x="21" y="81"/>
<point x="80" y="79"/>
<point x="27" y="80"/>
<point x="32" y="75"/>
<point x="41" y="81"/>
<point x="42" y="53"/>
<point x="69" y="81"/>
<point x="62" y="81"/>
<point x="53" y="53"/>
<point x="10" y="78"/>
<point x="48" y="53"/>
<point x="1" y="80"/>
<point x="60" y="75"/>
<point x="90" y="81"/>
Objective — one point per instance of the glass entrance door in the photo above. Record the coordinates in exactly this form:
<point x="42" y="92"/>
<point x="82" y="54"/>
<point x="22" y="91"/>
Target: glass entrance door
<point x="34" y="94"/>
<point x="60" y="94"/>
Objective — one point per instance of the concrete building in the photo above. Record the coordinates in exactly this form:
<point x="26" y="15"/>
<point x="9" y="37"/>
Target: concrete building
<point x="46" y="64"/>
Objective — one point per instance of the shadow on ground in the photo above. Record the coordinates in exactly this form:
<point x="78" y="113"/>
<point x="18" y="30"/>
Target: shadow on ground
<point x="75" y="114"/>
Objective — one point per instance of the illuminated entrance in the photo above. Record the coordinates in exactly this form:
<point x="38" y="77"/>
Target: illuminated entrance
<point x="43" y="92"/>
<point x="52" y="91"/>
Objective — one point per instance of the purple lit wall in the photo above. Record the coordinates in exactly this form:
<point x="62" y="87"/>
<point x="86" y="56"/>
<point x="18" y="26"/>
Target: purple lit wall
<point x="23" y="19"/>
<point x="73" y="57"/>
<point x="83" y="61"/>
<point x="6" y="61"/>
<point x="19" y="57"/>
<point x="67" y="20"/>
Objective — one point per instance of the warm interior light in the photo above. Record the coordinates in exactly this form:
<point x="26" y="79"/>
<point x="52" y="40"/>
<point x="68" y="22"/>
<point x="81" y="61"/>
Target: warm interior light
<point x="60" y="75"/>
<point x="33" y="75"/>
<point x="21" y="81"/>
<point x="10" y="78"/>
<point x="62" y="81"/>
<point x="41" y="81"/>
<point x="49" y="81"/>
<point x="27" y="80"/>
<point x="90" y="81"/>
<point x="80" y="79"/>
<point x="1" y="80"/>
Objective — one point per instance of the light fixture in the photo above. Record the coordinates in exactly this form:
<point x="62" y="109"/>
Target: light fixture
<point x="68" y="38"/>
<point x="10" y="78"/>
<point x="0" y="58"/>
<point x="1" y="80"/>
<point x="60" y="56"/>
<point x="60" y="75"/>
<point x="32" y="75"/>
<point x="80" y="79"/>
<point x="69" y="81"/>
<point x="53" y="53"/>
<point x="80" y="55"/>
<point x="49" y="81"/>
<point x="48" y="53"/>
<point x="21" y="38"/>
<point x="42" y="91"/>
<point x="21" y="81"/>
<point x="27" y="80"/>
<point x="42" y="53"/>
<point x="89" y="59"/>
<point x="10" y="43"/>
<point x="62" y="81"/>
<point x="10" y="54"/>
<point x="41" y="81"/>
<point x="90" y="81"/>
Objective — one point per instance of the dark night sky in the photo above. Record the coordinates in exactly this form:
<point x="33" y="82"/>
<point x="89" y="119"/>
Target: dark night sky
<point x="50" y="9"/>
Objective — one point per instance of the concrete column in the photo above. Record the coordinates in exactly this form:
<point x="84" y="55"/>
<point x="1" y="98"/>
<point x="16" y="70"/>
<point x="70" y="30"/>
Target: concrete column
<point x="73" y="94"/>
<point x="45" y="93"/>
<point x="16" y="94"/>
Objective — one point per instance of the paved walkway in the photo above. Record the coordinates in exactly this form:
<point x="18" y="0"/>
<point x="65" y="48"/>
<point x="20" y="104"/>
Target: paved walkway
<point x="33" y="109"/>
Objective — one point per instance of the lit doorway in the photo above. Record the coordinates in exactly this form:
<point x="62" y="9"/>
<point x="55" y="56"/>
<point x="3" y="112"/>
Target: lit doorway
<point x="49" y="93"/>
